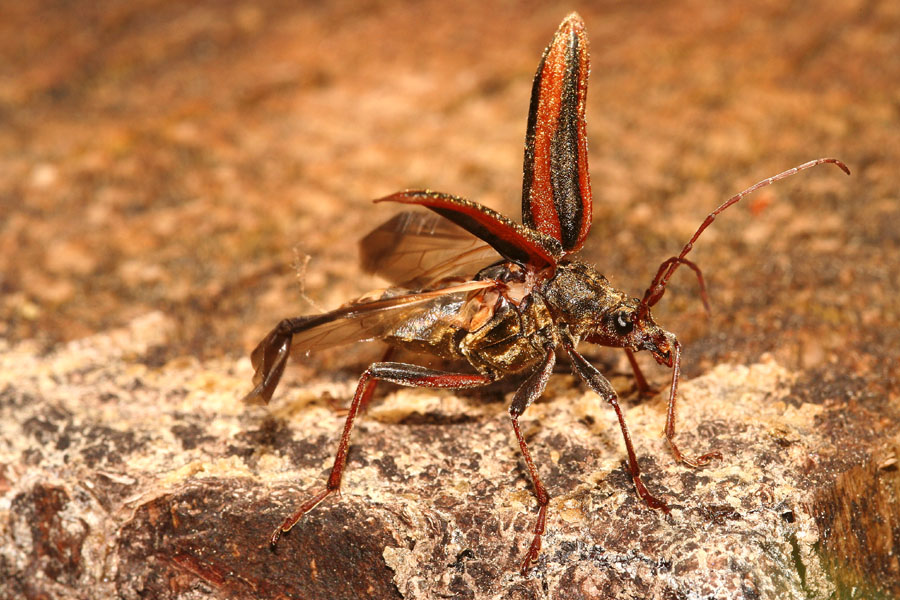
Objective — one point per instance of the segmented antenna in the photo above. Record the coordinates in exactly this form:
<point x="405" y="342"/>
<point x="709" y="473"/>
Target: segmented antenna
<point x="658" y="287"/>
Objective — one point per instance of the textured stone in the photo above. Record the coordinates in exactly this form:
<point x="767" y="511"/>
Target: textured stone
<point x="166" y="168"/>
<point x="126" y="480"/>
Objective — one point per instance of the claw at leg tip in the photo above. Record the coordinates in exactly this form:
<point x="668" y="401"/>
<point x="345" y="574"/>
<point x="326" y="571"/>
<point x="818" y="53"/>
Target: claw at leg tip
<point x="527" y="564"/>
<point x="276" y="535"/>
<point x="701" y="461"/>
<point x="657" y="504"/>
<point x="531" y="557"/>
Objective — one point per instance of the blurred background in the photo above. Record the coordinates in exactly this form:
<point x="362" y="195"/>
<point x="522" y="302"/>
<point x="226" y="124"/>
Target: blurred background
<point x="188" y="156"/>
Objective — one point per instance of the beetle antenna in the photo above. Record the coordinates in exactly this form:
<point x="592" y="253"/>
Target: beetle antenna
<point x="658" y="287"/>
<point x="669" y="264"/>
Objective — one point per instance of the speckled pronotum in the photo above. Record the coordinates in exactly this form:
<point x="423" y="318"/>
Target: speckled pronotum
<point x="498" y="296"/>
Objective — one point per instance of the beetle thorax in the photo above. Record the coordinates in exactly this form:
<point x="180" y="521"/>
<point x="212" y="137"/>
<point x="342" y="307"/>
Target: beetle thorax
<point x="591" y="309"/>
<point x="580" y="297"/>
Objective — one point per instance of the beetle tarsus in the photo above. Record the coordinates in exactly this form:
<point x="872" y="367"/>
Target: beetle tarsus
<point x="292" y="520"/>
<point x="534" y="550"/>
<point x="648" y="498"/>
<point x="696" y="463"/>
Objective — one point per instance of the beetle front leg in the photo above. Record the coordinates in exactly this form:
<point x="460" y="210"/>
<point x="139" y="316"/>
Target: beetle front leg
<point x="530" y="391"/>
<point x="700" y="461"/>
<point x="399" y="373"/>
<point x="597" y="382"/>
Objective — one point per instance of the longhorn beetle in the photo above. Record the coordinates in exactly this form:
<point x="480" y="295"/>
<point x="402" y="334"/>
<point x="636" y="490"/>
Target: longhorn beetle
<point x="473" y="285"/>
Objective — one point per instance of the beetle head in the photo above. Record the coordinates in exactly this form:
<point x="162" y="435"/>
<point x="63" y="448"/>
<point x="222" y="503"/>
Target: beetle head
<point x="628" y="326"/>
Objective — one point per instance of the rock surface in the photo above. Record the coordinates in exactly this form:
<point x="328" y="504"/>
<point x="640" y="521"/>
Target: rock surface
<point x="127" y="480"/>
<point x="165" y="168"/>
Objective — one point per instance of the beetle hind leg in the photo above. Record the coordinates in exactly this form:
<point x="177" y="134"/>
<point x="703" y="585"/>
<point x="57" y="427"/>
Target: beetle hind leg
<point x="399" y="373"/>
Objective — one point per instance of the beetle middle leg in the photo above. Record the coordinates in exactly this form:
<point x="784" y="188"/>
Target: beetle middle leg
<point x="525" y="395"/>
<point x="643" y="387"/>
<point x="597" y="382"/>
<point x="399" y="373"/>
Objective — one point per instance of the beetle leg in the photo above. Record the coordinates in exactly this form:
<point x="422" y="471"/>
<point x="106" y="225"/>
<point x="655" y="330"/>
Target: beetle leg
<point x="641" y="381"/>
<point x="373" y="383"/>
<point x="670" y="419"/>
<point x="525" y="395"/>
<point x="597" y="382"/>
<point x="399" y="373"/>
<point x="368" y="393"/>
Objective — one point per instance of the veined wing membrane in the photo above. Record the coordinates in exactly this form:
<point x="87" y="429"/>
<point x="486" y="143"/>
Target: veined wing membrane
<point x="359" y="321"/>
<point x="415" y="249"/>
<point x="369" y="320"/>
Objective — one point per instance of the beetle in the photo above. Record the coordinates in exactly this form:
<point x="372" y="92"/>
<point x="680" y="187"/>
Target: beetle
<point x="472" y="285"/>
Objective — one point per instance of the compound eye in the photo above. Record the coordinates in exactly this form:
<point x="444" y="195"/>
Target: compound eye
<point x="622" y="322"/>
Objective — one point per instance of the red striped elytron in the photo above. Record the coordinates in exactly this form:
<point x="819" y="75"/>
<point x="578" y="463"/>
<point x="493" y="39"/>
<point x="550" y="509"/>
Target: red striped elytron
<point x="500" y="297"/>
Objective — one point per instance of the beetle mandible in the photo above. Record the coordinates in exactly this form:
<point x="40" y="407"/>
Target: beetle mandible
<point x="475" y="286"/>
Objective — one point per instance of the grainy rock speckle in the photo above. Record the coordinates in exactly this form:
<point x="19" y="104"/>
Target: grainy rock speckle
<point x="166" y="168"/>
<point x="165" y="484"/>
